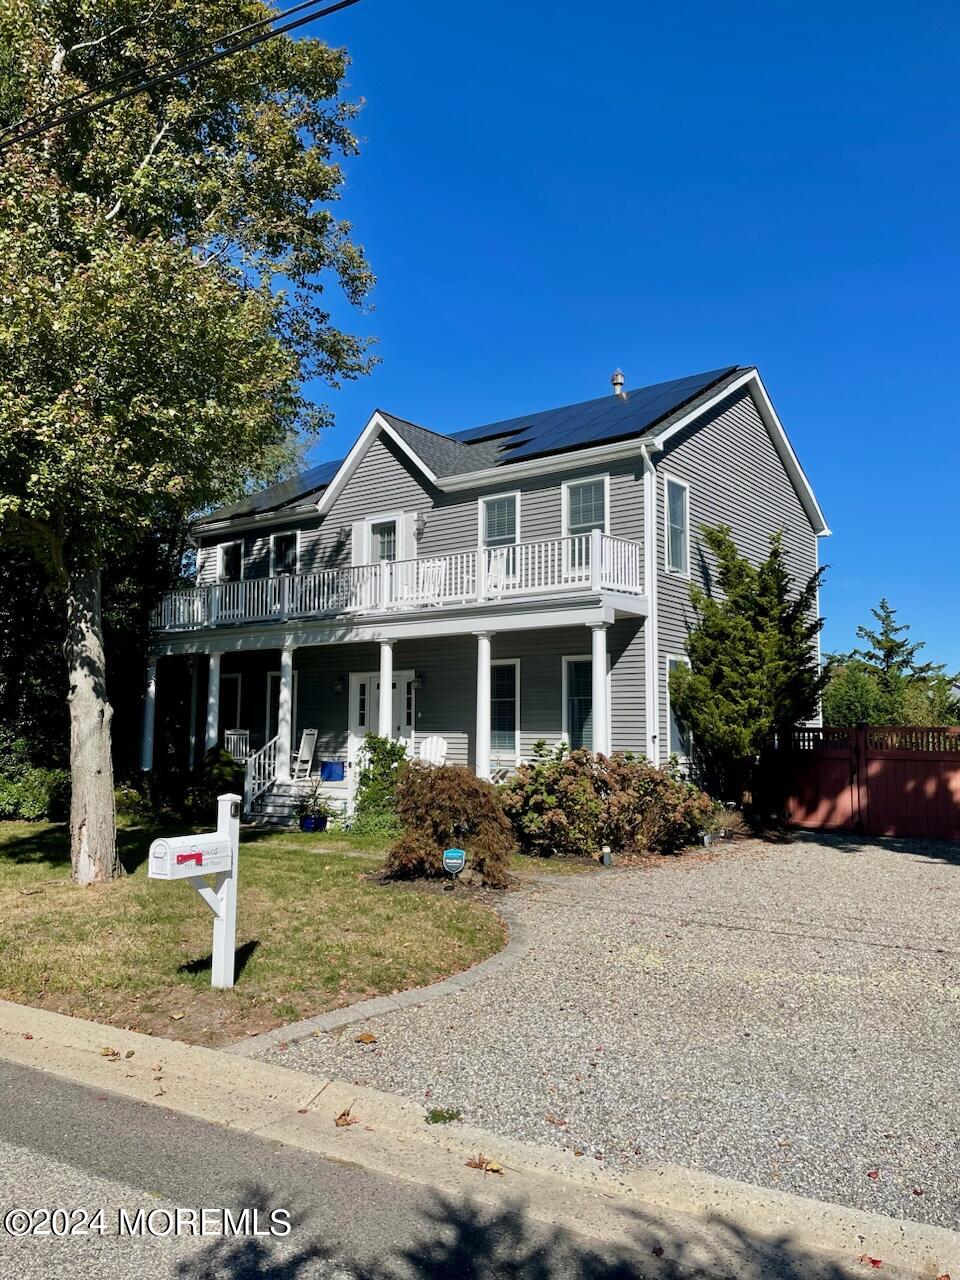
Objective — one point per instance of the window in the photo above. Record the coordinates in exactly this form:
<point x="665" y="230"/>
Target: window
<point x="587" y="506"/>
<point x="504" y="702"/>
<point x="678" y="743"/>
<point x="231" y="561"/>
<point x="383" y="540"/>
<point x="499" y="520"/>
<point x="283" y="555"/>
<point x="678" y="531"/>
<point x="578" y="703"/>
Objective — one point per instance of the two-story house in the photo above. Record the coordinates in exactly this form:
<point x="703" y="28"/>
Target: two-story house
<point x="490" y="587"/>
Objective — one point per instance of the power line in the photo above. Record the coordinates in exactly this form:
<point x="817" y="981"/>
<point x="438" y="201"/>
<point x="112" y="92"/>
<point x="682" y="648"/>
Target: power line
<point x="142" y="72"/>
<point x="180" y="70"/>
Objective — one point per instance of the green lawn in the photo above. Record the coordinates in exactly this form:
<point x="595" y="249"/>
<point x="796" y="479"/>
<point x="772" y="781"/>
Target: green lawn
<point x="316" y="929"/>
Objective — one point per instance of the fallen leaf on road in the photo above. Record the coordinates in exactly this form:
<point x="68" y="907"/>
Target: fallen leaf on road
<point x="868" y="1261"/>
<point x="345" y="1118"/>
<point x="366" y="1037"/>
<point x="874" y="1174"/>
<point x="480" y="1161"/>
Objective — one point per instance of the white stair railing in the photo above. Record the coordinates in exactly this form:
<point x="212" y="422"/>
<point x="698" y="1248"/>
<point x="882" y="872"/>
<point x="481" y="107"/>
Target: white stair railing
<point x="261" y="772"/>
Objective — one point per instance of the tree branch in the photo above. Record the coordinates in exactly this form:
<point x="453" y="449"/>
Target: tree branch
<point x="140" y="167"/>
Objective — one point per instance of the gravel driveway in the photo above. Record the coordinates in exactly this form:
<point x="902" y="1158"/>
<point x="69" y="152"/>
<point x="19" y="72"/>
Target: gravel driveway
<point x="784" y="1014"/>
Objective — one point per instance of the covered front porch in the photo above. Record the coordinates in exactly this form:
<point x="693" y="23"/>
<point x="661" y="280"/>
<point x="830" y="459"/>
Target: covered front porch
<point x="489" y="692"/>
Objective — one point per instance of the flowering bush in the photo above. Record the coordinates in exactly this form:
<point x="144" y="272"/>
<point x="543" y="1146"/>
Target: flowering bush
<point x="571" y="803"/>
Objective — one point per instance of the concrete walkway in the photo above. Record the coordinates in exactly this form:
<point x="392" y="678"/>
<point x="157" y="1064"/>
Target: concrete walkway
<point x="786" y="1015"/>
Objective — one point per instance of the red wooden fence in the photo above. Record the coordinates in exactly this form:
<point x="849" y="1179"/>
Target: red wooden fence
<point x="879" y="780"/>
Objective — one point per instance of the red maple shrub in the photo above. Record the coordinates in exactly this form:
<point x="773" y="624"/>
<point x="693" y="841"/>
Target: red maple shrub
<point x="447" y="806"/>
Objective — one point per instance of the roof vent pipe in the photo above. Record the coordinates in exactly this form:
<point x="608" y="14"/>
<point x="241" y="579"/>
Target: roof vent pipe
<point x="617" y="381"/>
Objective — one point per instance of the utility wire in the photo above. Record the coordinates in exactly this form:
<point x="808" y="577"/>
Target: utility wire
<point x="182" y="69"/>
<point x="149" y="71"/>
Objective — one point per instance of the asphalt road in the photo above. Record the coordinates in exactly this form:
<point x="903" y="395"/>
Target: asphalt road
<point x="67" y="1147"/>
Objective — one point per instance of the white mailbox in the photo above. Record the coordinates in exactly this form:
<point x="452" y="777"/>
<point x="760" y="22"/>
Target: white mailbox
<point x="179" y="857"/>
<point x="214" y="853"/>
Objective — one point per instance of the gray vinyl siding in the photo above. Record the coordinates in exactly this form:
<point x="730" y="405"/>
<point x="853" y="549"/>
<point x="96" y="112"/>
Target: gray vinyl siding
<point x="736" y="478"/>
<point x="446" y="702"/>
<point x="386" y="482"/>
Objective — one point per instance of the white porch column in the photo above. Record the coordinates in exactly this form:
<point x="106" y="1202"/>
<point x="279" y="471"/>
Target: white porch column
<point x="285" y="714"/>
<point x="149" y="715"/>
<point x="213" y="703"/>
<point x="598" y="652"/>
<point x="482" y="752"/>
<point x="385" y="712"/>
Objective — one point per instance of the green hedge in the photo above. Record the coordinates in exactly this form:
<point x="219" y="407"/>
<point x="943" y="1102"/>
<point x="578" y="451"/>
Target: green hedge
<point x="35" y="794"/>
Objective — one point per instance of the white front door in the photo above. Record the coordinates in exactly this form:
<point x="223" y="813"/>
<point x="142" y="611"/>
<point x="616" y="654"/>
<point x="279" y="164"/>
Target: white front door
<point x="365" y="714"/>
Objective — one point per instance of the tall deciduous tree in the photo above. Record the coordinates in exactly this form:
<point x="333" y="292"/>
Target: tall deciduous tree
<point x="754" y="669"/>
<point x="162" y="269"/>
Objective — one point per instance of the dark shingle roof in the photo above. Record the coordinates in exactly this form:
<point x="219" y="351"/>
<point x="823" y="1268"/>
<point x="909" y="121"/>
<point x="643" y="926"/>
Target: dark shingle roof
<point x="551" y="431"/>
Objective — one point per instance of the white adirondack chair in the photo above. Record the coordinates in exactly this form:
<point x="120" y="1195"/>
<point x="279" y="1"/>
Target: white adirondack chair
<point x="304" y="759"/>
<point x="433" y="750"/>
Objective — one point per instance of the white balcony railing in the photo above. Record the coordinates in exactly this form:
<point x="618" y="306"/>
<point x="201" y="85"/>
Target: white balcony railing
<point x="588" y="562"/>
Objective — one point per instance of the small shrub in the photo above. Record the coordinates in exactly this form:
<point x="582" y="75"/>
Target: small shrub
<point x="445" y="806"/>
<point x="556" y="803"/>
<point x="571" y="803"/>
<point x="379" y="762"/>
<point x="220" y="774"/>
<point x="36" y="795"/>
<point x="134" y="809"/>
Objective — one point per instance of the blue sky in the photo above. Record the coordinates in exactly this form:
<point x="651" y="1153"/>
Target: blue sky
<point x="547" y="191"/>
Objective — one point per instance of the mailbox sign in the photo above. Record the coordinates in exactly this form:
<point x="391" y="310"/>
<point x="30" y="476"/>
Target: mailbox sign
<point x="179" y="857"/>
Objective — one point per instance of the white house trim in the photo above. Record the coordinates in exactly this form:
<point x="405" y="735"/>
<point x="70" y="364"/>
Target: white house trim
<point x="565" y="500"/>
<point x="376" y="427"/>
<point x="752" y="381"/>
<point x="495" y="753"/>
<point x="668" y="479"/>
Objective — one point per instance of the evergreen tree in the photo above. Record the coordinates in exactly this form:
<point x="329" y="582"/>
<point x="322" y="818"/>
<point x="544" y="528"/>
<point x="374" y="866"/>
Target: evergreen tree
<point x="753" y="670"/>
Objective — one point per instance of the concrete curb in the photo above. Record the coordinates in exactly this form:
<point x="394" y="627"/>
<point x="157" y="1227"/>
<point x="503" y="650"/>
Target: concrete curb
<point x="516" y="946"/>
<point x="718" y="1224"/>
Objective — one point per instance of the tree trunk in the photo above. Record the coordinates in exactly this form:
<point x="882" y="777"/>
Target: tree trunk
<point x="93" y="831"/>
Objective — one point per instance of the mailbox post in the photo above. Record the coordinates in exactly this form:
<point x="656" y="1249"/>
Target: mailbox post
<point x="212" y="853"/>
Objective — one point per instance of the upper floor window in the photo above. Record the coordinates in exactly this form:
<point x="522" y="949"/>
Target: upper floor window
<point x="383" y="540"/>
<point x="586" y="506"/>
<point x="231" y="561"/>
<point x="498" y="520"/>
<point x="678" y="527"/>
<point x="283" y="555"/>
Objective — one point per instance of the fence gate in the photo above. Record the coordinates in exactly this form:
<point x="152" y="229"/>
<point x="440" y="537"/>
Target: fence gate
<point x="878" y="780"/>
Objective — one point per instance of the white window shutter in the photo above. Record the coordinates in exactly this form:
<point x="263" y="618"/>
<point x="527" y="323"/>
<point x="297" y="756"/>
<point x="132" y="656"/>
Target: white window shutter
<point x="358" y="542"/>
<point x="408" y="540"/>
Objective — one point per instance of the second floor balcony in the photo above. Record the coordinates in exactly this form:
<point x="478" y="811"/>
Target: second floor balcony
<point x="589" y="563"/>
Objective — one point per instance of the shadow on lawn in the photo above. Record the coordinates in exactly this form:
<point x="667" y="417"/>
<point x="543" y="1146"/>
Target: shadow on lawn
<point x="461" y="1239"/>
<point x="203" y="964"/>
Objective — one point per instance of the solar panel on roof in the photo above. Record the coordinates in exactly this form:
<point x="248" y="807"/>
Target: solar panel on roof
<point x="592" y="421"/>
